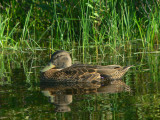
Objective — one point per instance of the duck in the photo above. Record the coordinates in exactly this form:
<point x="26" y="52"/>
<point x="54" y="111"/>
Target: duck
<point x="60" y="69"/>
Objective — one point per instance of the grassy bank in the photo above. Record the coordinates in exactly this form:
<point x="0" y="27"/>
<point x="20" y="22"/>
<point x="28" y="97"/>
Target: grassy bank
<point x="60" y="25"/>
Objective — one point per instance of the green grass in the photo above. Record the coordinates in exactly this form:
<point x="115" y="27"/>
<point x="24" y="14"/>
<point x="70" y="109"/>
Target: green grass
<point x="57" y="25"/>
<point x="6" y="34"/>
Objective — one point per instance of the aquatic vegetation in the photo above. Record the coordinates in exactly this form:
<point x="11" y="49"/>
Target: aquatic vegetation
<point x="58" y="24"/>
<point x="6" y="39"/>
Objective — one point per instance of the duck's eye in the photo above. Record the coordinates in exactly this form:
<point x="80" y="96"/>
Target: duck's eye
<point x="58" y="56"/>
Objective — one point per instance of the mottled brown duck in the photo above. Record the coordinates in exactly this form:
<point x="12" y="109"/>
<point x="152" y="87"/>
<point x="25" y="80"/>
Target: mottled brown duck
<point x="60" y="69"/>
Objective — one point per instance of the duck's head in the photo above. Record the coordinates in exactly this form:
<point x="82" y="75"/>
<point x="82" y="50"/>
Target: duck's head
<point x="59" y="60"/>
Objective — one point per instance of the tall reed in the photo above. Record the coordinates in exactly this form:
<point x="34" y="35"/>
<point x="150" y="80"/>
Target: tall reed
<point x="59" y="23"/>
<point x="6" y="35"/>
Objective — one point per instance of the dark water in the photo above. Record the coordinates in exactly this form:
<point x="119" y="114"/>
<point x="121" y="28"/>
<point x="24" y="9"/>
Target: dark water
<point x="136" y="96"/>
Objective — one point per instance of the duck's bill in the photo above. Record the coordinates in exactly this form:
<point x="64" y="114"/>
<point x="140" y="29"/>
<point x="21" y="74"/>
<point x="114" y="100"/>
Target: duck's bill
<point x="47" y="67"/>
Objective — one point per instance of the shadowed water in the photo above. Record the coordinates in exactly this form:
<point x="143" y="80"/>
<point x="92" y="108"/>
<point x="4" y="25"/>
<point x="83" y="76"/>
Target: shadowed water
<point x="136" y="96"/>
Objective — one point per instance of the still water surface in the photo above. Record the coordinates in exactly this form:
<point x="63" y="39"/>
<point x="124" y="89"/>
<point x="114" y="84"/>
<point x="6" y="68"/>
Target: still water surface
<point x="136" y="96"/>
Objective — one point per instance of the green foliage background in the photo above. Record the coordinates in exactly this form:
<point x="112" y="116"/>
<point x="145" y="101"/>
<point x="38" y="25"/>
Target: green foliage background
<point x="60" y="23"/>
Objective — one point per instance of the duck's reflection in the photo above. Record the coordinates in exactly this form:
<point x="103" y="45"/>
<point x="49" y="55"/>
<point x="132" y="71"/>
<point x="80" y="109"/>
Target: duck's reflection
<point x="61" y="101"/>
<point x="61" y="94"/>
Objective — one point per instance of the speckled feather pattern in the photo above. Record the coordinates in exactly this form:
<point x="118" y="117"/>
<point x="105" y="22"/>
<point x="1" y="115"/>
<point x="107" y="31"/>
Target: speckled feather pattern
<point x="84" y="73"/>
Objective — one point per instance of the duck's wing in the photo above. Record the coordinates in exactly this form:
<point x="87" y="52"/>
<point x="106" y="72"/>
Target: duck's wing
<point x="112" y="72"/>
<point x="77" y="73"/>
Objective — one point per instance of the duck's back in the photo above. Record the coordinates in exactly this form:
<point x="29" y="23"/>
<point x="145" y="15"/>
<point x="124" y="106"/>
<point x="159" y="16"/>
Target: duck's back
<point x="85" y="73"/>
<point x="74" y="73"/>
